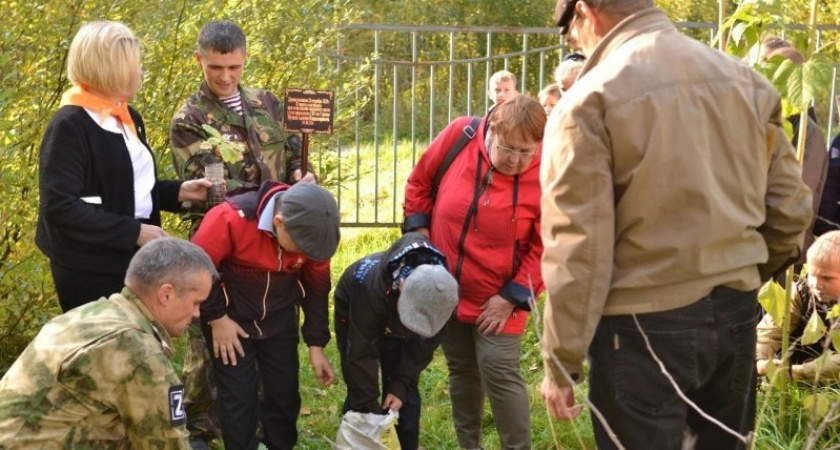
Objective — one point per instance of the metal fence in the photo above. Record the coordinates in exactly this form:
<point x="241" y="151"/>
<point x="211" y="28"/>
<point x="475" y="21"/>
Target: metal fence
<point x="423" y="77"/>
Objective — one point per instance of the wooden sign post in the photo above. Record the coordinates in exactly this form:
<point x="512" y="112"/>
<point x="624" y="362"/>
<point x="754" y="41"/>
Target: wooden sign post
<point x="308" y="111"/>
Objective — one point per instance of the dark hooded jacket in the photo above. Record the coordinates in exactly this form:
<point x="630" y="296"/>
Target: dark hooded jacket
<point x="366" y="319"/>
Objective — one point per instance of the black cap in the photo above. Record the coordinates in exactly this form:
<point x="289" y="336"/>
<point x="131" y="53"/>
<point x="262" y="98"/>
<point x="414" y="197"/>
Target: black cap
<point x="563" y="14"/>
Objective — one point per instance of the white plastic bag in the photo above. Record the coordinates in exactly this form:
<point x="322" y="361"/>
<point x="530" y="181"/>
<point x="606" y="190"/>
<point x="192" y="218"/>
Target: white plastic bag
<point x="362" y="431"/>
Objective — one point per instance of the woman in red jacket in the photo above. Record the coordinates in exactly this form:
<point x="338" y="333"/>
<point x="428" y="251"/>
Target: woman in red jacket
<point x="486" y="219"/>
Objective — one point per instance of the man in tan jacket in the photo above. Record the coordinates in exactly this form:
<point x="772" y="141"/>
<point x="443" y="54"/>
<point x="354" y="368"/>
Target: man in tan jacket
<point x="670" y="192"/>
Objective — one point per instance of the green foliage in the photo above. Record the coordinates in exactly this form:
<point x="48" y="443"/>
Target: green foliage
<point x="772" y="299"/>
<point x="221" y="147"/>
<point x="814" y="330"/>
<point x="286" y="45"/>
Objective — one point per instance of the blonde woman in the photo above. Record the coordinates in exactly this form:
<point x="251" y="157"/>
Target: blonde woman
<point x="100" y="199"/>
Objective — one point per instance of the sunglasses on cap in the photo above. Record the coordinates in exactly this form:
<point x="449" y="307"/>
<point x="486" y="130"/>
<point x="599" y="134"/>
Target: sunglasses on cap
<point x="563" y="14"/>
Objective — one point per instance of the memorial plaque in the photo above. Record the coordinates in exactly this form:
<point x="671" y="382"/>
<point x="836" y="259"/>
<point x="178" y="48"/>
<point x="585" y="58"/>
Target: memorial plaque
<point x="308" y="111"/>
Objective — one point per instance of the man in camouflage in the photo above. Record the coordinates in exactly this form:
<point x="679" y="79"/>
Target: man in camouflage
<point x="250" y="117"/>
<point x="100" y="375"/>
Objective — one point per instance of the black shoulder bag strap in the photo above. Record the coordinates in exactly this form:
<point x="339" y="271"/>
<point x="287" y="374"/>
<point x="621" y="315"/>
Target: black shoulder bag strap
<point x="466" y="136"/>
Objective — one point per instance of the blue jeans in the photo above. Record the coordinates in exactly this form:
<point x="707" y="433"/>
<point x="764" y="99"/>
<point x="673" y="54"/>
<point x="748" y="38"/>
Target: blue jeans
<point x="274" y="361"/>
<point x="708" y="347"/>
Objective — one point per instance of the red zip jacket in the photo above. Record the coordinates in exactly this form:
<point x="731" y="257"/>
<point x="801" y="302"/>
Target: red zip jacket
<point x="262" y="285"/>
<point x="499" y="250"/>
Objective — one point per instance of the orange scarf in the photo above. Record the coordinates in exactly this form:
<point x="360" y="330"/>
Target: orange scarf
<point x="78" y="96"/>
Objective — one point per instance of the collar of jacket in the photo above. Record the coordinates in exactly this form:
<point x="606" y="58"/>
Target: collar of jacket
<point x="643" y="22"/>
<point x="159" y="331"/>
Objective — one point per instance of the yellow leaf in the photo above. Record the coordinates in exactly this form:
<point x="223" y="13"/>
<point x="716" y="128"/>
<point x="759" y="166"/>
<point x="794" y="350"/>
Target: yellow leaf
<point x="814" y="330"/>
<point x="817" y="404"/>
<point x="772" y="298"/>
<point x="835" y="339"/>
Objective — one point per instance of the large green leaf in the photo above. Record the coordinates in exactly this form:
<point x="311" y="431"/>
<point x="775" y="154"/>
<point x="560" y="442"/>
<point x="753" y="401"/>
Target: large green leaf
<point x="772" y="299"/>
<point x="817" y="404"/>
<point x="814" y="330"/>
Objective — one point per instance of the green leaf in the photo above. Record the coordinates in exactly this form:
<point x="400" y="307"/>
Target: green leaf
<point x="835" y="337"/>
<point x="779" y="378"/>
<point x="818" y="404"/>
<point x="823" y="359"/>
<point x="738" y="31"/>
<point x="817" y="76"/>
<point x="833" y="313"/>
<point x="814" y="330"/>
<point x="772" y="299"/>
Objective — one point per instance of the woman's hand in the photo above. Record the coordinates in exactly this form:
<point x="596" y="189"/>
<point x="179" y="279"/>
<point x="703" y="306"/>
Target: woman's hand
<point x="194" y="190"/>
<point x="494" y="315"/>
<point x="149" y="233"/>
<point x="226" y="334"/>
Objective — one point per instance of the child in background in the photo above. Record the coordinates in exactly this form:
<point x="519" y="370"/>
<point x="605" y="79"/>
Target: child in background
<point x="549" y="96"/>
<point x="502" y="86"/>
<point x="816" y="295"/>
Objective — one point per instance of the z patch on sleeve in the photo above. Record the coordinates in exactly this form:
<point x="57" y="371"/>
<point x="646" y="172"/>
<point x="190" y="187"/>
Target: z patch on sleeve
<point x="177" y="415"/>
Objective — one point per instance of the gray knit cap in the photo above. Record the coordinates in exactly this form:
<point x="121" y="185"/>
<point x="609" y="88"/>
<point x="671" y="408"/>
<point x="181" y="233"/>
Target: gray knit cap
<point x="427" y="299"/>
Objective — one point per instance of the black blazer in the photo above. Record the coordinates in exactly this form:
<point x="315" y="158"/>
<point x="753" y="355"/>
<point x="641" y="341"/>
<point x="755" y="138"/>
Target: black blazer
<point x="80" y="159"/>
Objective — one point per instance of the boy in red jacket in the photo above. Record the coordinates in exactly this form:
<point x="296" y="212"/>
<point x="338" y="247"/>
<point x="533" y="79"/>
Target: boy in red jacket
<point x="272" y="248"/>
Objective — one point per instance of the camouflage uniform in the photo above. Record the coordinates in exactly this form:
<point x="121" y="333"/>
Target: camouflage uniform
<point x="97" y="377"/>
<point x="270" y="154"/>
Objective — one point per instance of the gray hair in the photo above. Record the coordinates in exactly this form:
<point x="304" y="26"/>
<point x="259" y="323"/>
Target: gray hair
<point x="167" y="260"/>
<point x="222" y="36"/>
<point x="566" y="73"/>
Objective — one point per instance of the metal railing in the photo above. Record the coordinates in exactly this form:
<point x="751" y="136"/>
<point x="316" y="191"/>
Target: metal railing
<point x="423" y="77"/>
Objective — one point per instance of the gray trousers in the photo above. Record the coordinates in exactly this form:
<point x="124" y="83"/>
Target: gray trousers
<point x="480" y="365"/>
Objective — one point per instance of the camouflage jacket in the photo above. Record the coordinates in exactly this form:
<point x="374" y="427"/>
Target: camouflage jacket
<point x="269" y="154"/>
<point x="97" y="377"/>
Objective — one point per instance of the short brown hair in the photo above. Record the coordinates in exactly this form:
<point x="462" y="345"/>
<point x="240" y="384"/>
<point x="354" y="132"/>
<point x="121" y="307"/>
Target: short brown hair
<point x="519" y="114"/>
<point x="105" y="55"/>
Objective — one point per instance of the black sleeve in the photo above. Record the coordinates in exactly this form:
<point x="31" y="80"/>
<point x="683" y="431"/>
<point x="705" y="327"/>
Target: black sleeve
<point x="64" y="163"/>
<point x="358" y="327"/>
<point x="417" y="354"/>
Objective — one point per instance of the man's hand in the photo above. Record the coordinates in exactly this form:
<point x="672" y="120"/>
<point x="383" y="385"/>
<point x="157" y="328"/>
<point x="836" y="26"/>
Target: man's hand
<point x="560" y="400"/>
<point x="194" y="190"/>
<point x="149" y="233"/>
<point x="297" y="176"/>
<point x="392" y="402"/>
<point x="494" y="315"/>
<point x="226" y="334"/>
<point x="321" y="366"/>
